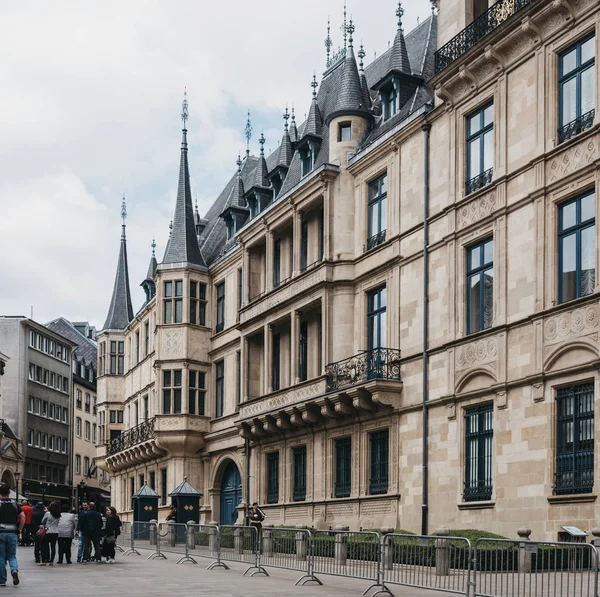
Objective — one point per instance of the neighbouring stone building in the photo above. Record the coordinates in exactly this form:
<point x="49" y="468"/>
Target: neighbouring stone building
<point x="393" y="318"/>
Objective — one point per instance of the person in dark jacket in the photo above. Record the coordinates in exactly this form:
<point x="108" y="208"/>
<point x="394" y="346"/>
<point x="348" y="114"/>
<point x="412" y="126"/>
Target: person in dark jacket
<point x="92" y="531"/>
<point x="36" y="523"/>
<point x="111" y="532"/>
<point x="82" y="512"/>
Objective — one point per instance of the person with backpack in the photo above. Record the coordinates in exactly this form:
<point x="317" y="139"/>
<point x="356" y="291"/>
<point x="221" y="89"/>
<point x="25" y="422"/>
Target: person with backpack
<point x="111" y="532"/>
<point x="12" y="521"/>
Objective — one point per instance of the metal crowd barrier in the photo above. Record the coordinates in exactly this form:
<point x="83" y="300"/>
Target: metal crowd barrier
<point x="288" y="549"/>
<point x="240" y="544"/>
<point x="145" y="535"/>
<point x="438" y="562"/>
<point x="518" y="568"/>
<point x="203" y="542"/>
<point x="355" y="554"/>
<point x="125" y="537"/>
<point x="173" y="537"/>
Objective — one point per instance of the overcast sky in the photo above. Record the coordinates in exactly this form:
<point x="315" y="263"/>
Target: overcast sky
<point x="90" y="109"/>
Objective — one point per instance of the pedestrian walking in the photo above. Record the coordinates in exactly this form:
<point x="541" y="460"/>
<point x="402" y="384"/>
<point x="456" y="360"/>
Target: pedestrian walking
<point x="50" y="531"/>
<point x="112" y="531"/>
<point x="26" y="535"/>
<point x="11" y="524"/>
<point x="66" y="531"/>
<point x="92" y="531"/>
<point x="82" y="512"/>
<point x="36" y="520"/>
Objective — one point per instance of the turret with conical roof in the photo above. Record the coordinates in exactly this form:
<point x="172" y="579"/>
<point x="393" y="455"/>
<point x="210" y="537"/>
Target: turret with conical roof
<point x="293" y="129"/>
<point x="120" y="312"/>
<point x="183" y="243"/>
<point x="260" y="193"/>
<point x="235" y="212"/>
<point x="148" y="283"/>
<point x="284" y="158"/>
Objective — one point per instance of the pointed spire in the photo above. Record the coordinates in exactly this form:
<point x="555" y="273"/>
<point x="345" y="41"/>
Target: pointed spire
<point x="350" y="99"/>
<point x="153" y="245"/>
<point x="237" y="194"/>
<point x="314" y="121"/>
<point x="120" y="312"/>
<point x="285" y="147"/>
<point x="148" y="283"/>
<point x="363" y="79"/>
<point x="398" y="60"/>
<point x="261" y="178"/>
<point x="183" y="242"/>
<point x="328" y="42"/>
<point x="170" y="229"/>
<point x="293" y="129"/>
<point x="344" y="27"/>
<point x="248" y="133"/>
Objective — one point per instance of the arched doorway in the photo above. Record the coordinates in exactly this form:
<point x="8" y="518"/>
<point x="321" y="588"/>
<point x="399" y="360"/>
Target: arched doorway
<point x="8" y="478"/>
<point x="231" y="493"/>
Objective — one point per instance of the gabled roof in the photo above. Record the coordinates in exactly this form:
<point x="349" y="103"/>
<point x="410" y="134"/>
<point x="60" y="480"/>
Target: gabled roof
<point x="184" y="489"/>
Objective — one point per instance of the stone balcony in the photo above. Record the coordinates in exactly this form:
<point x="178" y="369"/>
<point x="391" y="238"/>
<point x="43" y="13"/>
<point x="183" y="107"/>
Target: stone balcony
<point x="365" y="383"/>
<point x="177" y="435"/>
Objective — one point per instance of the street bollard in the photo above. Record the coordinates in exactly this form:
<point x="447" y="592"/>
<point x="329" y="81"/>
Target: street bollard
<point x="442" y="552"/>
<point x="238" y="541"/>
<point x="301" y="545"/>
<point x="267" y="543"/>
<point x="213" y="540"/>
<point x="172" y="535"/>
<point x="153" y="532"/>
<point x="388" y="548"/>
<point x="524" y="555"/>
<point x="341" y="545"/>
<point x="191" y="534"/>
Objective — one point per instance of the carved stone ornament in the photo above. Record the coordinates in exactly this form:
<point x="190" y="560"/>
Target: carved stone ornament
<point x="572" y="160"/>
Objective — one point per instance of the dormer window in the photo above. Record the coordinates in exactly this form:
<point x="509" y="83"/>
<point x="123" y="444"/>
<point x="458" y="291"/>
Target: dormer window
<point x="306" y="157"/>
<point x="230" y="228"/>
<point x="344" y="132"/>
<point x="390" y="102"/>
<point x="277" y="184"/>
<point x="254" y="207"/>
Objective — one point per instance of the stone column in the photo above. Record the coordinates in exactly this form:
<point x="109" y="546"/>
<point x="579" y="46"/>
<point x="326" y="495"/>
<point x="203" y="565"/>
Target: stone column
<point x="245" y="275"/>
<point x="213" y="538"/>
<point x="326" y="218"/>
<point x="153" y="531"/>
<point x="294" y="339"/>
<point x="267" y="350"/>
<point x="388" y="548"/>
<point x="442" y="552"/>
<point x="243" y="369"/>
<point x="191" y="534"/>
<point x="341" y="546"/>
<point x="185" y="383"/>
<point x="238" y="541"/>
<point x="269" y="260"/>
<point x="296" y="244"/>
<point x="524" y="556"/>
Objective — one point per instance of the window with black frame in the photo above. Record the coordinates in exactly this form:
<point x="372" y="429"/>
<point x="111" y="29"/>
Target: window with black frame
<point x="574" y="439"/>
<point x="220" y="307"/>
<point x="376" y="319"/>
<point x="577" y="88"/>
<point x="276" y="262"/>
<point x="303" y="356"/>
<point x="480" y="286"/>
<point x="577" y="247"/>
<point x="304" y="245"/>
<point x="196" y="392"/>
<point x="306" y="159"/>
<point x="377" y="212"/>
<point x="276" y="362"/>
<point x="480" y="148"/>
<point x="379" y="444"/>
<point x="343" y="467"/>
<point x="479" y="434"/>
<point x="272" y="477"/>
<point x="219" y="388"/>
<point x="299" y="460"/>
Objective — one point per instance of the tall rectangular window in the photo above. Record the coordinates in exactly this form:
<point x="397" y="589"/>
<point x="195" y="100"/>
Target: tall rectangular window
<point x="113" y="358"/>
<point x="196" y="392"/>
<point x="303" y="353"/>
<point x="577" y="97"/>
<point x="163" y="487"/>
<point x="479" y="433"/>
<point x="137" y="347"/>
<point x="78" y="426"/>
<point x="303" y="245"/>
<point x="167" y="393"/>
<point x="377" y="212"/>
<point x="153" y="480"/>
<point x="219" y="388"/>
<point x="299" y="460"/>
<point x="276" y="362"/>
<point x="146" y="338"/>
<point x="121" y="357"/>
<point x="276" y="262"/>
<point x="131" y="491"/>
<point x="197" y="303"/>
<point x="577" y="247"/>
<point x="377" y="319"/>
<point x="379" y="441"/>
<point x="78" y="395"/>
<point x="238" y="358"/>
<point x="480" y="286"/>
<point x="102" y="359"/>
<point x="343" y="467"/>
<point x="575" y="439"/>
<point x="480" y="148"/>
<point x="77" y="464"/>
<point x="145" y="406"/>
<point x="240" y="289"/>
<point x="88" y="402"/>
<point x="173" y="302"/>
<point x="220" y="306"/>
<point x="272" y="477"/>
<point x="306" y="159"/>
<point x="321" y="233"/>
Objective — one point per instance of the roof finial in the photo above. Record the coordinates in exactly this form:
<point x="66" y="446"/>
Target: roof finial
<point x="123" y="215"/>
<point x="184" y="109"/>
<point x="328" y="42"/>
<point x="262" y="141"/>
<point x="344" y="26"/>
<point x="433" y="2"/>
<point x="248" y="133"/>
<point x="293" y="115"/>
<point x="361" y="55"/>
<point x="350" y="32"/>
<point x="399" y="14"/>
<point x="314" y="85"/>
<point x="170" y="228"/>
<point x="153" y="245"/>
<point x="239" y="163"/>
<point x="285" y="118"/>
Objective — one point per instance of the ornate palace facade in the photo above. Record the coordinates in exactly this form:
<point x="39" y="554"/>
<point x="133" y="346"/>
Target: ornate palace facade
<point x="393" y="318"/>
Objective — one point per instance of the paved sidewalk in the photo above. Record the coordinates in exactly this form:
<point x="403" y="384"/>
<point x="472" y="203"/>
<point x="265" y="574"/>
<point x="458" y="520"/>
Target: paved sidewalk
<point x="135" y="576"/>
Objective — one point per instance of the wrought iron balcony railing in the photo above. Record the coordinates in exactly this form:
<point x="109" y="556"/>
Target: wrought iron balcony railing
<point x="342" y="490"/>
<point x="378" y="486"/>
<point x="479" y="181"/>
<point x="480" y="491"/>
<point x="573" y="481"/>
<point x="576" y="126"/>
<point x="379" y="363"/>
<point x="132" y="437"/>
<point x="476" y="31"/>
<point x="376" y="239"/>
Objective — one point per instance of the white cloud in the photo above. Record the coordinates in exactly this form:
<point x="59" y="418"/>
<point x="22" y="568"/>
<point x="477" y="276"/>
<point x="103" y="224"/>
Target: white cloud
<point x="89" y="109"/>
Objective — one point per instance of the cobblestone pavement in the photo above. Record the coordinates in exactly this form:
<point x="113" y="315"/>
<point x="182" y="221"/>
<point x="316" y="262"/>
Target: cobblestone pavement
<point x="134" y="576"/>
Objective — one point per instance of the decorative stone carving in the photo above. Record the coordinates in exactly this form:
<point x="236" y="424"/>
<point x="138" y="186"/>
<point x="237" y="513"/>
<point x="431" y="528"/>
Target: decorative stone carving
<point x="172" y="343"/>
<point x="476" y="210"/>
<point x="451" y="411"/>
<point x="565" y="326"/>
<point x="339" y="510"/>
<point x="299" y="512"/>
<point x="283" y="399"/>
<point x="572" y="160"/>
<point x="477" y="353"/>
<point x="502" y="400"/>
<point x="367" y="508"/>
<point x="537" y="392"/>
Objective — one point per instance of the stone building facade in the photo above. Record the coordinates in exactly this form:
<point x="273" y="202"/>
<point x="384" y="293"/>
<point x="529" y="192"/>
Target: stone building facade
<point x="393" y="318"/>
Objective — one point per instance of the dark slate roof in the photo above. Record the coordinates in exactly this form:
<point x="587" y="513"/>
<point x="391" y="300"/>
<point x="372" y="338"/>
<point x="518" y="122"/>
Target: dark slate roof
<point x="399" y="60"/>
<point x="120" y="312"/>
<point x="84" y="350"/>
<point x="261" y="173"/>
<point x="145" y="492"/>
<point x="293" y="128"/>
<point x="184" y="489"/>
<point x="8" y="432"/>
<point x="151" y="268"/>
<point x="183" y="244"/>
<point x="284" y="156"/>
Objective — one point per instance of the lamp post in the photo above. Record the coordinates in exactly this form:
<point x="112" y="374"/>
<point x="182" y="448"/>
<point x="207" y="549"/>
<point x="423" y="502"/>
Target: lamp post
<point x="80" y="492"/>
<point x="43" y="487"/>
<point x="17" y="477"/>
